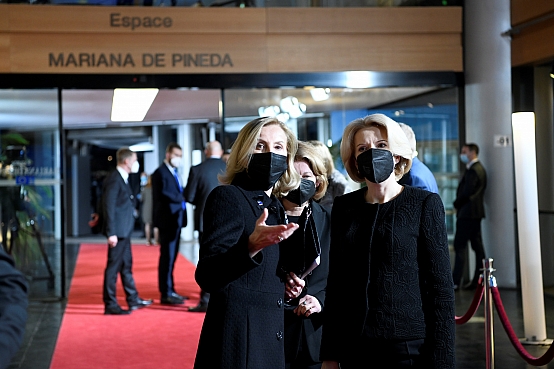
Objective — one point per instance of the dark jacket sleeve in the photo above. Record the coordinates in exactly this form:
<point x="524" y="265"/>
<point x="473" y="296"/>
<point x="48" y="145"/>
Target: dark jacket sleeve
<point x="437" y="284"/>
<point x="224" y="255"/>
<point x="13" y="309"/>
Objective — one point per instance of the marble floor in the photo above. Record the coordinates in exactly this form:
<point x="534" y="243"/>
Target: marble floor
<point x="46" y="313"/>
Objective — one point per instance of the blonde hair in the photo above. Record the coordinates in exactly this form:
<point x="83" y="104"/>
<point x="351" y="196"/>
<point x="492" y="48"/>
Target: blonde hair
<point x="397" y="140"/>
<point x="324" y="154"/>
<point x="307" y="153"/>
<point x="243" y="148"/>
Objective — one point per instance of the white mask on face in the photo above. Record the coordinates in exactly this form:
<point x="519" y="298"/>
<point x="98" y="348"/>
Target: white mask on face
<point x="175" y="161"/>
<point x="135" y="167"/>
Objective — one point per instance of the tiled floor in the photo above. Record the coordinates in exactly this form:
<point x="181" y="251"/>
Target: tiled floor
<point x="45" y="315"/>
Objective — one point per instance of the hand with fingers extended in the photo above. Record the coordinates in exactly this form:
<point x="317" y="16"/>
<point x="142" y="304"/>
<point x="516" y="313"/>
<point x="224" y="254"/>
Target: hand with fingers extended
<point x="265" y="235"/>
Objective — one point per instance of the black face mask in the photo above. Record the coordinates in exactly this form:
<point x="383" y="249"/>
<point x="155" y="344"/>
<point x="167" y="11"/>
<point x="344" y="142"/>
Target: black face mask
<point x="303" y="193"/>
<point x="376" y="165"/>
<point x="265" y="169"/>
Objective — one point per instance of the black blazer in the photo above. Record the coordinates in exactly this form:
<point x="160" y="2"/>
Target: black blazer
<point x="471" y="190"/>
<point x="167" y="200"/>
<point x="244" y="324"/>
<point x="118" y="204"/>
<point x="306" y="332"/>
<point x="390" y="276"/>
<point x="202" y="180"/>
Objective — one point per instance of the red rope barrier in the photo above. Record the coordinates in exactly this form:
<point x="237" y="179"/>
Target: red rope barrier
<point x="473" y="307"/>
<point x="540" y="361"/>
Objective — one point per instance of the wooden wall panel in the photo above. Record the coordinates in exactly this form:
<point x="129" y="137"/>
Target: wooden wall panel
<point x="94" y="19"/>
<point x="138" y="54"/>
<point x="358" y="52"/>
<point x="525" y="10"/>
<point x="534" y="46"/>
<point x="4" y="17"/>
<point x="73" y="39"/>
<point x="4" y="53"/>
<point x="365" y="20"/>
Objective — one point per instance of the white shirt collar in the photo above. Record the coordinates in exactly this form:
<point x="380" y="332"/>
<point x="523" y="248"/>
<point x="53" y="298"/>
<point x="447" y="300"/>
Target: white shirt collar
<point x="468" y="165"/>
<point x="123" y="173"/>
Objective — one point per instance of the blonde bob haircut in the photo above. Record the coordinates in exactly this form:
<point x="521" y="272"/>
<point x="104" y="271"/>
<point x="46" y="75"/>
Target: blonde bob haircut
<point x="243" y="148"/>
<point x="324" y="154"/>
<point x="398" y="144"/>
<point x="309" y="154"/>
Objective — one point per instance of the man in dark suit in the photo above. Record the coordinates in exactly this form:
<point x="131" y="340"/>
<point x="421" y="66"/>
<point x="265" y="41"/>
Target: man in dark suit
<point x="169" y="217"/>
<point x="13" y="308"/>
<point x="118" y="204"/>
<point x="470" y="210"/>
<point x="202" y="180"/>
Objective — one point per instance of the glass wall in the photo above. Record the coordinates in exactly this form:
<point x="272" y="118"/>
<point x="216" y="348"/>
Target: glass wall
<point x="431" y="112"/>
<point x="30" y="186"/>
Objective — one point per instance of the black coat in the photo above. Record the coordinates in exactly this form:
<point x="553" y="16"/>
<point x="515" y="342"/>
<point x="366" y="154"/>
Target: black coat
<point x="305" y="332"/>
<point x="391" y="263"/>
<point x="243" y="327"/>
<point x="470" y="193"/>
<point x="167" y="200"/>
<point x="13" y="308"/>
<point x="202" y="180"/>
<point x="118" y="205"/>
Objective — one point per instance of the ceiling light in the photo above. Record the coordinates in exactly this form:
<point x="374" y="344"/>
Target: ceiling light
<point x="132" y="104"/>
<point x="292" y="106"/>
<point x="319" y="94"/>
<point x="268" y="111"/>
<point x="142" y="146"/>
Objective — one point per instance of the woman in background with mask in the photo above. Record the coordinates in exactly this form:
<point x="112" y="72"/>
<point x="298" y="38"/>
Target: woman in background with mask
<point x="390" y="259"/>
<point x="303" y="318"/>
<point x="239" y="252"/>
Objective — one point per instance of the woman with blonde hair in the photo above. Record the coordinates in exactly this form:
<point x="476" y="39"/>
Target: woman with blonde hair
<point x="337" y="182"/>
<point x="239" y="252"/>
<point x="390" y="296"/>
<point x="304" y="315"/>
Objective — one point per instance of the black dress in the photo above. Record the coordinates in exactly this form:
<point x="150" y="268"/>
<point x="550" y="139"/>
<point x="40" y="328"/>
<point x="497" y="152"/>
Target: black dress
<point x="303" y="334"/>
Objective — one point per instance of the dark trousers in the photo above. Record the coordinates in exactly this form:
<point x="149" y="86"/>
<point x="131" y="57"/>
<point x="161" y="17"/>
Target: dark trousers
<point x="467" y="230"/>
<point x="120" y="261"/>
<point x="169" y="249"/>
<point x="386" y="354"/>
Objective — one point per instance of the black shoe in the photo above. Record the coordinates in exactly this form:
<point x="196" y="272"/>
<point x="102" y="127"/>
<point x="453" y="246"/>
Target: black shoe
<point x="140" y="303"/>
<point x="200" y="308"/>
<point x="177" y="296"/>
<point x="470" y="286"/>
<point x="171" y="300"/>
<point x="116" y="311"/>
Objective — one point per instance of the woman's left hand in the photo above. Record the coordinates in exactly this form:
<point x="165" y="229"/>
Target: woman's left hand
<point x="294" y="286"/>
<point x="308" y="305"/>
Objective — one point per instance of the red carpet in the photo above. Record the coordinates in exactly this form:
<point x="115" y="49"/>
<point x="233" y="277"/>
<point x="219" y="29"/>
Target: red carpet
<point x="155" y="337"/>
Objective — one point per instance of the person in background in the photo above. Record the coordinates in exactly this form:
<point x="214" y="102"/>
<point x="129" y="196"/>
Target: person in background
<point x="202" y="180"/>
<point x="338" y="184"/>
<point x="303" y="318"/>
<point x="239" y="252"/>
<point x="13" y="308"/>
<point x="225" y="156"/>
<point x="169" y="217"/>
<point x="147" y="209"/>
<point x="390" y="301"/>
<point x="118" y="204"/>
<point x="420" y="175"/>
<point x="470" y="210"/>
